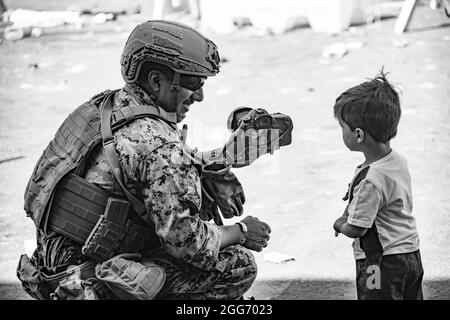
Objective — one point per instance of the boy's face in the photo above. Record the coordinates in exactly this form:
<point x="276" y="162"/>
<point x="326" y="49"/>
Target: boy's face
<point x="349" y="137"/>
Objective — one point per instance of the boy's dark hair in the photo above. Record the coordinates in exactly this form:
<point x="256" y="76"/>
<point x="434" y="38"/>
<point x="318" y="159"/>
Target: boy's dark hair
<point x="373" y="106"/>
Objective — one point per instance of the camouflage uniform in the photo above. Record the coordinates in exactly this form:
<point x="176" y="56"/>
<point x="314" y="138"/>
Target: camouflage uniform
<point x="151" y="155"/>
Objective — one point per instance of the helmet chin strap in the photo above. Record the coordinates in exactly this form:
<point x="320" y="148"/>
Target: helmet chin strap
<point x="175" y="88"/>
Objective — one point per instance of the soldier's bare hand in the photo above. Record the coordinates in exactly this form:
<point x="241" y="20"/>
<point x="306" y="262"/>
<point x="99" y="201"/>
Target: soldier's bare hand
<point x="258" y="234"/>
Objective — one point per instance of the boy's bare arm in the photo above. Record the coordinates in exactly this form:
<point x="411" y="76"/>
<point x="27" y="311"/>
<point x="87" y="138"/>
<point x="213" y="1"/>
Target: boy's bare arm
<point x="352" y="231"/>
<point x="339" y="221"/>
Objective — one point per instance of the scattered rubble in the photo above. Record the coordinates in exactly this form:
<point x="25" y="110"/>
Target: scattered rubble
<point x="400" y="43"/>
<point x="14" y="32"/>
<point x="22" y="18"/>
<point x="340" y="49"/>
<point x="21" y="23"/>
<point x="335" y="51"/>
<point x="279" y="258"/>
<point x="33" y="65"/>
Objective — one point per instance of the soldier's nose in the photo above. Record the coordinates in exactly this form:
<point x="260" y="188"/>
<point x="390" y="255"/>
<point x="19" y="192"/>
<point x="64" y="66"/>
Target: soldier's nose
<point x="198" y="95"/>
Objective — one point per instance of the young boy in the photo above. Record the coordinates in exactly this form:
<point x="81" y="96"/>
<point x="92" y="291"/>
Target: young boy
<point x="378" y="215"/>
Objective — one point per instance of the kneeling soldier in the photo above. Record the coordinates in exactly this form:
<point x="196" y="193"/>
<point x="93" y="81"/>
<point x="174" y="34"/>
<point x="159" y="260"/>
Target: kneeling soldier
<point x="120" y="212"/>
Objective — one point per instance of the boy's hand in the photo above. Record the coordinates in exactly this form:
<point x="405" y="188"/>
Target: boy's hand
<point x="337" y="225"/>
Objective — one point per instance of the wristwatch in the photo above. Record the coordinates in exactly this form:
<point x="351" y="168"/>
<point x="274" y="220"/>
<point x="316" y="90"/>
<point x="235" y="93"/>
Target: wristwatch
<point x="244" y="230"/>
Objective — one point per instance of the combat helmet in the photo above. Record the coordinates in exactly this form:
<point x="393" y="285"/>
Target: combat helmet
<point x="175" y="45"/>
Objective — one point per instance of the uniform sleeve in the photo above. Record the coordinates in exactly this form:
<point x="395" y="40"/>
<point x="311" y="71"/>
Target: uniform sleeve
<point x="171" y="191"/>
<point x="367" y="201"/>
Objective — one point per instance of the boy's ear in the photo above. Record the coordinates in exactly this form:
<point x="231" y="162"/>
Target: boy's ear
<point x="359" y="133"/>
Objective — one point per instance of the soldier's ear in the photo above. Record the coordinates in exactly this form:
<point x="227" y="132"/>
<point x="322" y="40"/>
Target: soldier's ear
<point x="154" y="80"/>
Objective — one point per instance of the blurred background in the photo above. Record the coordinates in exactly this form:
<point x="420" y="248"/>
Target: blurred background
<point x="287" y="56"/>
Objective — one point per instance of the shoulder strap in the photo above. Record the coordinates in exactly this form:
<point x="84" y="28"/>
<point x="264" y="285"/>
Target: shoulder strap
<point x="118" y="118"/>
<point x="111" y="156"/>
<point x="129" y="113"/>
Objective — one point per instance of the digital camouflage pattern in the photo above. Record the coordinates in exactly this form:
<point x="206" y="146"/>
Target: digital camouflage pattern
<point x="152" y="159"/>
<point x="234" y="276"/>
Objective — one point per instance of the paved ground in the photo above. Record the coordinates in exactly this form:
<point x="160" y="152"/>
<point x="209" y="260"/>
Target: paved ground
<point x="298" y="190"/>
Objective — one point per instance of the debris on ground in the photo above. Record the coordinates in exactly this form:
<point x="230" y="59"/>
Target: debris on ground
<point x="33" y="65"/>
<point x="22" y="18"/>
<point x="400" y="43"/>
<point x="276" y="257"/>
<point x="101" y="18"/>
<point x="13" y="32"/>
<point x="242" y="22"/>
<point x="21" y="23"/>
<point x="340" y="49"/>
<point x="335" y="51"/>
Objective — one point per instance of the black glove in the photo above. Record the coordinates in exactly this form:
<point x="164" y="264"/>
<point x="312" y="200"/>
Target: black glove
<point x="224" y="191"/>
<point x="209" y="209"/>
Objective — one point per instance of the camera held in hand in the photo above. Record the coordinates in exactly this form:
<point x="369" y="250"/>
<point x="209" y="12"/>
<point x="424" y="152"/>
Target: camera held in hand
<point x="260" y="119"/>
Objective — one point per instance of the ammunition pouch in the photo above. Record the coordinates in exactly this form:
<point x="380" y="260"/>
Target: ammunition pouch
<point x="131" y="277"/>
<point x="41" y="286"/>
<point x="87" y="214"/>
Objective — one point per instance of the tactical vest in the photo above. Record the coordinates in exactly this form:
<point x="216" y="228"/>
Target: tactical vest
<point x="369" y="242"/>
<point x="57" y="198"/>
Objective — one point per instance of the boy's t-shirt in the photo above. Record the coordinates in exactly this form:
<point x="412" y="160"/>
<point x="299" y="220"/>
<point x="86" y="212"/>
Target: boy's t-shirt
<point x="385" y="196"/>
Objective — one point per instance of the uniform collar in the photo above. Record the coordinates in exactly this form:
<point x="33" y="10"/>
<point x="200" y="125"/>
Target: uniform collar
<point x="142" y="98"/>
<point x="139" y="94"/>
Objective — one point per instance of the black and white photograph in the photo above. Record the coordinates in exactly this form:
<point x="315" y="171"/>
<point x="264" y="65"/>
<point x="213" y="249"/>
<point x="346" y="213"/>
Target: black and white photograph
<point x="239" y="151"/>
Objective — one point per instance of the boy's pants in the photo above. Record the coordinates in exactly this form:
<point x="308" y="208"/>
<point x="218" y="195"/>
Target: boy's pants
<point x="398" y="277"/>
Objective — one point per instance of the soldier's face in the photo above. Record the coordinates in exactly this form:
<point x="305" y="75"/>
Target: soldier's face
<point x="190" y="91"/>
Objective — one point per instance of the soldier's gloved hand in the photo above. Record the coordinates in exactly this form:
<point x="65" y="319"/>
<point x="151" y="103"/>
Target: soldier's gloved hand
<point x="209" y="209"/>
<point x="244" y="147"/>
<point x="258" y="233"/>
<point x="224" y="187"/>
